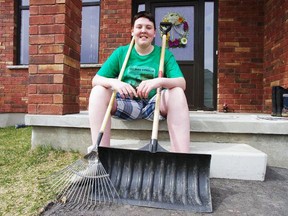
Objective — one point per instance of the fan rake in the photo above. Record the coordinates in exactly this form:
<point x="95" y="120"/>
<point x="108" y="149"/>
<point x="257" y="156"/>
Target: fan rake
<point x="83" y="184"/>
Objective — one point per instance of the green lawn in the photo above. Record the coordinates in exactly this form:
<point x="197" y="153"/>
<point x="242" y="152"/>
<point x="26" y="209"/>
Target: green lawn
<point x="21" y="170"/>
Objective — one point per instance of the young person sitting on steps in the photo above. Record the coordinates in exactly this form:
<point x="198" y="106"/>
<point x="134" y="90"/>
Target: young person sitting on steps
<point x="136" y="91"/>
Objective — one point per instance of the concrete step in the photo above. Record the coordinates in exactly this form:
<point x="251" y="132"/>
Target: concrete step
<point x="11" y="119"/>
<point x="261" y="131"/>
<point x="229" y="160"/>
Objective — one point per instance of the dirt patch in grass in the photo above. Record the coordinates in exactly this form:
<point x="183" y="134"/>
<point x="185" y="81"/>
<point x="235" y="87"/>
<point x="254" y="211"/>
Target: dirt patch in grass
<point x="22" y="170"/>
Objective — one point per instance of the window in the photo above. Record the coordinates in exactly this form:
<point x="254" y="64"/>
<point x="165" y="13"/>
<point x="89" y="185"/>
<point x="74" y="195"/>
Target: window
<point x="23" y="41"/>
<point x="90" y="31"/>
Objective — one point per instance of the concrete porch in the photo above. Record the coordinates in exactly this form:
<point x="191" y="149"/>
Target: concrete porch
<point x="248" y="141"/>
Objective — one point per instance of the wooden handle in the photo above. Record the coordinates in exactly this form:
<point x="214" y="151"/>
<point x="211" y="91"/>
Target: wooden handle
<point x="158" y="94"/>
<point x="109" y="108"/>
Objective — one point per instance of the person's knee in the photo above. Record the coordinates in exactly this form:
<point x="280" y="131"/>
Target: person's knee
<point x="177" y="95"/>
<point x="173" y="100"/>
<point x="100" y="93"/>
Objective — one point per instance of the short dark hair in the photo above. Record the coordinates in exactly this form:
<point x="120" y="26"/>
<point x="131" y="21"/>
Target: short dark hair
<point x="144" y="14"/>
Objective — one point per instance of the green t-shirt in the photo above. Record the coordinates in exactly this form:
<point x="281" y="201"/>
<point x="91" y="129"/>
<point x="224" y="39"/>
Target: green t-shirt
<point x="139" y="67"/>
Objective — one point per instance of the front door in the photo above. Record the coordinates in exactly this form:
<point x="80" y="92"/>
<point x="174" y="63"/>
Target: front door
<point x="191" y="40"/>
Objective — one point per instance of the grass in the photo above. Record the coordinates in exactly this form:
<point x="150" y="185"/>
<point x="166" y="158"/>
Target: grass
<point x="21" y="170"/>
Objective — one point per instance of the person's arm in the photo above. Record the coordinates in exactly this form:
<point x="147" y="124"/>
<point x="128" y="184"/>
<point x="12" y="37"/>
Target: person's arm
<point x="146" y="86"/>
<point x="124" y="89"/>
<point x="107" y="76"/>
<point x="170" y="83"/>
<point x="102" y="81"/>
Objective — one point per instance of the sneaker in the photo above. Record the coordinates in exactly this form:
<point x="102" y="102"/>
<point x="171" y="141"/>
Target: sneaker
<point x="284" y="112"/>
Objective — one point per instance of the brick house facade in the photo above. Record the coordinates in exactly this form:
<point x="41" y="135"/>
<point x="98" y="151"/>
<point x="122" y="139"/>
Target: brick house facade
<point x="252" y="54"/>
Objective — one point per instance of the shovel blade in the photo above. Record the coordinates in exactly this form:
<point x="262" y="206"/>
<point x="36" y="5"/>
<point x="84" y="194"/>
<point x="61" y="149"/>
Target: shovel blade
<point x="163" y="180"/>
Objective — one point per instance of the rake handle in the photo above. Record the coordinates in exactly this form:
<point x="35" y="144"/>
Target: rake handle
<point x="112" y="99"/>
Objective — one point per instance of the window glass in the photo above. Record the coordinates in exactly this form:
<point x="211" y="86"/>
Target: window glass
<point x="23" y="34"/>
<point x="90" y="34"/>
<point x="141" y="7"/>
<point x="25" y="2"/>
<point x="24" y="37"/>
<point x="89" y="1"/>
<point x="208" y="54"/>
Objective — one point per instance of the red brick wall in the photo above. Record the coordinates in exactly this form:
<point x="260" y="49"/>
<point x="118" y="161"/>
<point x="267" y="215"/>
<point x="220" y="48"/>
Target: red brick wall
<point x="13" y="91"/>
<point x="240" y="58"/>
<point x="275" y="48"/>
<point x="86" y="76"/>
<point x="13" y="83"/>
<point x="54" y="66"/>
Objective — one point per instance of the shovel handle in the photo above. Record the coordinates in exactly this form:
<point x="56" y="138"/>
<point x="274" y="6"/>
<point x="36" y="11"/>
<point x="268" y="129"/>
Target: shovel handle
<point x="112" y="99"/>
<point x="165" y="27"/>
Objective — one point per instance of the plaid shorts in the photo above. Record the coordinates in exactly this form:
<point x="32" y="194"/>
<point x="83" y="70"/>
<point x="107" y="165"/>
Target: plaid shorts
<point x="131" y="109"/>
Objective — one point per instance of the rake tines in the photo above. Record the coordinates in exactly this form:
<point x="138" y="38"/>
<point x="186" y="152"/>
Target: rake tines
<point x="83" y="184"/>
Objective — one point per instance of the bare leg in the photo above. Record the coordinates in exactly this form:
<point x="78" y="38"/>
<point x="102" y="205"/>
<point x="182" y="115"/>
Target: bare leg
<point x="98" y="103"/>
<point x="174" y="105"/>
